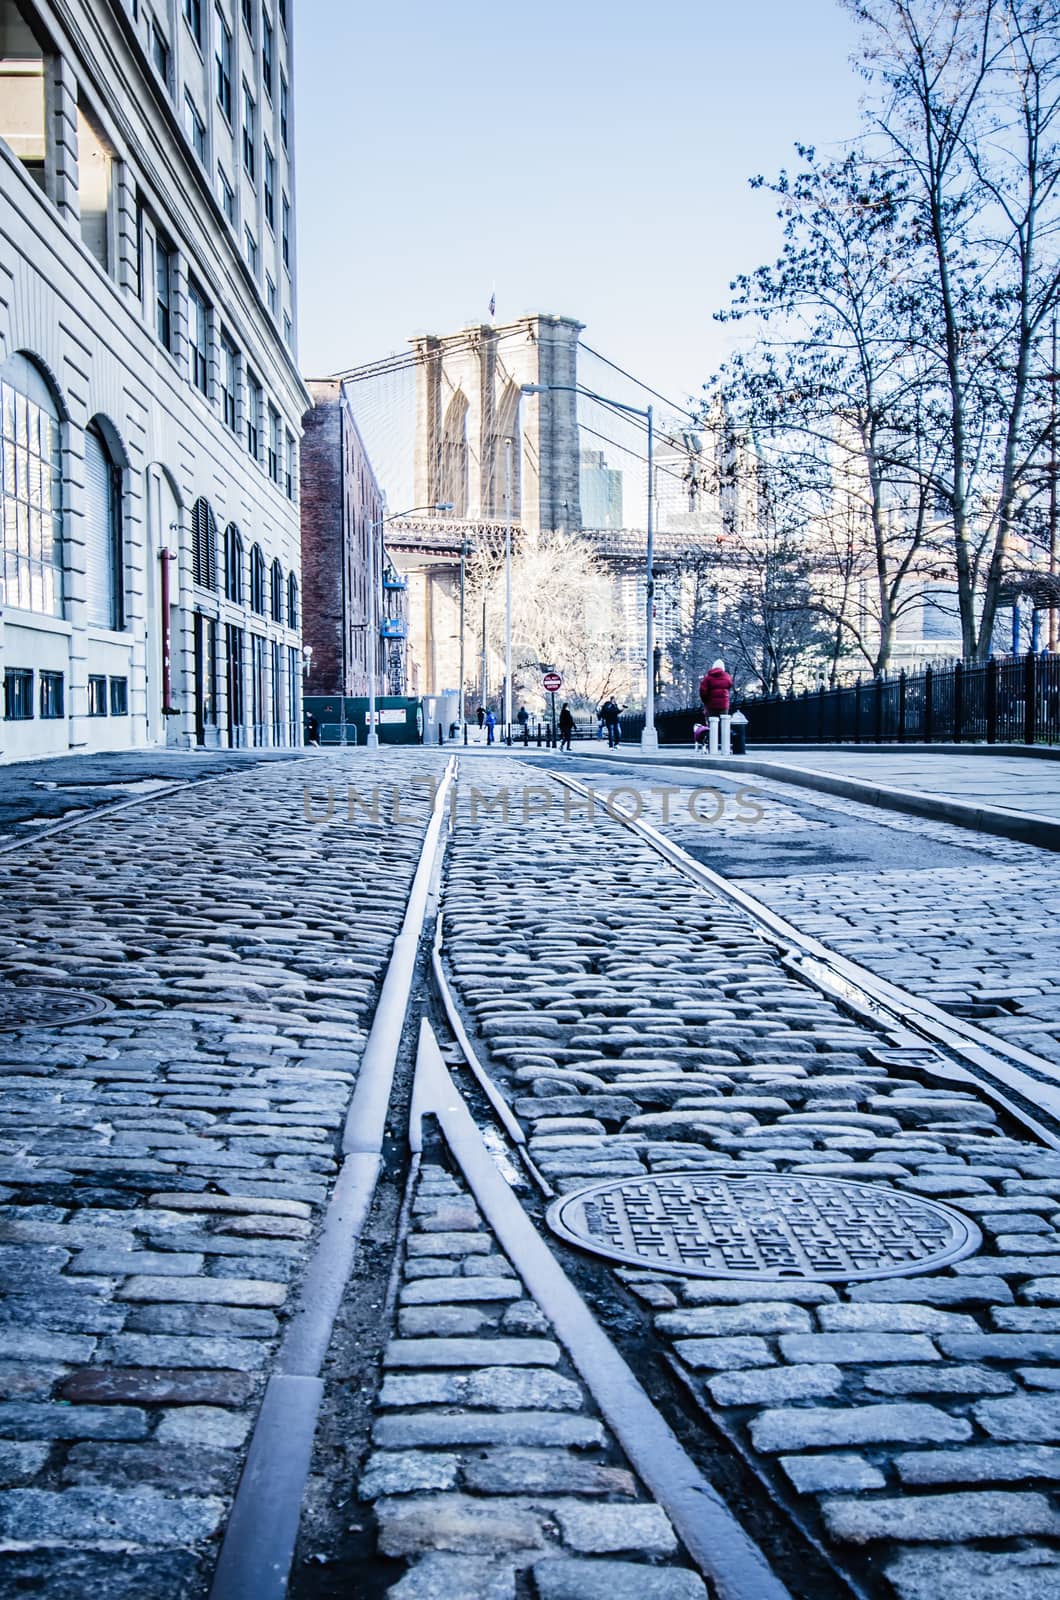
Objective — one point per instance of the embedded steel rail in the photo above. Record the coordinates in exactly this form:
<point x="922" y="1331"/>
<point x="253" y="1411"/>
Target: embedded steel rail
<point x="989" y="1065"/>
<point x="716" y="1541"/>
<point x="259" y="1541"/>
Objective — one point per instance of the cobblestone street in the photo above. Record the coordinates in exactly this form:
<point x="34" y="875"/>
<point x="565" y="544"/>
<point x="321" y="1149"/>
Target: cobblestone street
<point x="163" y="1164"/>
<point x="168" y="1163"/>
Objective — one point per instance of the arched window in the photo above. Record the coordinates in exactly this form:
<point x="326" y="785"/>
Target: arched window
<point x="292" y="601"/>
<point x="233" y="564"/>
<point x="257" y="581"/>
<point x="104" y="546"/>
<point x="276" y="592"/>
<point x="31" y="520"/>
<point x="203" y="545"/>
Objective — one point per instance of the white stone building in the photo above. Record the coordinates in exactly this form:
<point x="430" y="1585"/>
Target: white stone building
<point x="150" y="405"/>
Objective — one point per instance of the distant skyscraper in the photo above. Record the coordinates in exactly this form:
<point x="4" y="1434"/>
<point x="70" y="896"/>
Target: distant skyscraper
<point x="601" y="491"/>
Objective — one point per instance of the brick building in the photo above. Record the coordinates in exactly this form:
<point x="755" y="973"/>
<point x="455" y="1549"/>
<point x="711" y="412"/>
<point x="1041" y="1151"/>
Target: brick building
<point x="342" y="547"/>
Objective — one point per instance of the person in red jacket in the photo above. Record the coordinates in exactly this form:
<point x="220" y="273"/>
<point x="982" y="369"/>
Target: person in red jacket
<point x="715" y="688"/>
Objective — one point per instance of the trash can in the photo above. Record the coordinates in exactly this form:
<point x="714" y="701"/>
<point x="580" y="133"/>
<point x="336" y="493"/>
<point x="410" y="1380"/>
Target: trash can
<point x="739" y="733"/>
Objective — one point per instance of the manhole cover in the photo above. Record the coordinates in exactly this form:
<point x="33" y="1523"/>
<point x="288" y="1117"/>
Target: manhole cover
<point x="38" y="1007"/>
<point x="713" y="1226"/>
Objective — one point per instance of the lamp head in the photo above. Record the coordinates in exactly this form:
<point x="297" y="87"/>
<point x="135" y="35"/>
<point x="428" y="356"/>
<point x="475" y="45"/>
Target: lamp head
<point x="533" y="388"/>
<point x="444" y="505"/>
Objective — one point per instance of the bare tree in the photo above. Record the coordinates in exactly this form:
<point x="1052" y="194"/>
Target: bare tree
<point x="966" y="119"/>
<point x="562" y="615"/>
<point x="831" y="388"/>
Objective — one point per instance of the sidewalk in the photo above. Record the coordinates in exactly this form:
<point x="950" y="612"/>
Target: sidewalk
<point x="1010" y="795"/>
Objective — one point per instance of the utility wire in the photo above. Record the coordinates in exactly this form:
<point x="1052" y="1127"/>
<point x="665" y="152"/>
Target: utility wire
<point x="638" y="381"/>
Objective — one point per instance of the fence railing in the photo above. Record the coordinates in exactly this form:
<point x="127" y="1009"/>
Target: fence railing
<point x="1012" y="700"/>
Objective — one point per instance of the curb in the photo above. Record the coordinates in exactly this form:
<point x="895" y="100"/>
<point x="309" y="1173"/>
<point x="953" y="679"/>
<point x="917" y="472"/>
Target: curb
<point x="1027" y="827"/>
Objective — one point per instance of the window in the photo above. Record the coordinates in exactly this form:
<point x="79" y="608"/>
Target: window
<point x="257" y="581"/>
<point x="276" y="592"/>
<point x="31" y="520"/>
<point x="283" y="110"/>
<point x="248" y="16"/>
<point x="160" y="53"/>
<point x="104" y="546"/>
<point x="51" y="696"/>
<point x="203" y="545"/>
<point x="251" y="246"/>
<point x="249" y="130"/>
<point x="119" y="697"/>
<point x="288" y="330"/>
<point x="254" y="398"/>
<point x="289" y="468"/>
<point x="163" y="290"/>
<point x="23" y="121"/>
<point x="292" y="601"/>
<point x="223" y="64"/>
<point x="198" y="338"/>
<point x="97" y="695"/>
<point x="229" y="381"/>
<point x="226" y="196"/>
<point x="274" y="444"/>
<point x="270" y="294"/>
<point x="193" y="17"/>
<point x="266" y="54"/>
<point x="95" y="162"/>
<point x="194" y="127"/>
<point x="268" y="168"/>
<point x="281" y="8"/>
<point x="285" y="237"/>
<point x="233" y="564"/>
<point x="18" y="694"/>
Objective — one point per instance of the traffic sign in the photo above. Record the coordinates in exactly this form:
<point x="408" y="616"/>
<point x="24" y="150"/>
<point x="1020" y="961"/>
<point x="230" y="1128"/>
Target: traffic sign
<point x="552" y="681"/>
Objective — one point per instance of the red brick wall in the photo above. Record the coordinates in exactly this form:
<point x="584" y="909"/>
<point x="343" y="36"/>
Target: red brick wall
<point x="340" y="502"/>
<point x="322" y="541"/>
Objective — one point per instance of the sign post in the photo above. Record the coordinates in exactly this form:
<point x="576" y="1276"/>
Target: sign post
<point x="551" y="682"/>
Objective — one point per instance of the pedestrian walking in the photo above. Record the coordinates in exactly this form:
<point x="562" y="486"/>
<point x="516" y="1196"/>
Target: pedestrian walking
<point x="611" y="713"/>
<point x="491" y="723"/>
<point x="481" y="715"/>
<point x="566" y="726"/>
<point x="312" y="729"/>
<point x="523" y="719"/>
<point x="715" y="687"/>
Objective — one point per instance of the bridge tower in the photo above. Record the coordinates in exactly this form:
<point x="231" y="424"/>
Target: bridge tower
<point x="468" y="387"/>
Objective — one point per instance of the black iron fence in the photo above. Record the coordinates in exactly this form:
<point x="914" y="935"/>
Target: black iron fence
<point x="1013" y="700"/>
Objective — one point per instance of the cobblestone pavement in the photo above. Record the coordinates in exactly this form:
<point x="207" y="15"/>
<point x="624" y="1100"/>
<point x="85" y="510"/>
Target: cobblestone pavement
<point x="963" y="919"/>
<point x="911" y="1423"/>
<point x="34" y="793"/>
<point x="489" y="1465"/>
<point x="162" y="1166"/>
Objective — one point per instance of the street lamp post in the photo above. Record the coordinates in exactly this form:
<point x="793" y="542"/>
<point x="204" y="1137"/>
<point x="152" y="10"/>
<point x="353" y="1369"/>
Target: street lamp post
<point x="372" y="739"/>
<point x="649" y="739"/>
<point x="508" y="591"/>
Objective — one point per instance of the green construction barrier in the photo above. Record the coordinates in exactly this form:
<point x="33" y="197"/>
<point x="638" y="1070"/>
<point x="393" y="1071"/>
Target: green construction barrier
<point x="344" y="720"/>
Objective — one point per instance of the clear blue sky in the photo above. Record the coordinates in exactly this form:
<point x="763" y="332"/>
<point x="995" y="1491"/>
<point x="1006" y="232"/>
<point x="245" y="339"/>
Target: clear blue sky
<point x="586" y="158"/>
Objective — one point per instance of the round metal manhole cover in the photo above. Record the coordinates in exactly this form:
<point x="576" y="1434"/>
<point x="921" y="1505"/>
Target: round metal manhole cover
<point x="705" y="1225"/>
<point x="36" y="1006"/>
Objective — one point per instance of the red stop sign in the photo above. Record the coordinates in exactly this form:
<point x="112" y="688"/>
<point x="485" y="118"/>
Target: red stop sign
<point x="552" y="681"/>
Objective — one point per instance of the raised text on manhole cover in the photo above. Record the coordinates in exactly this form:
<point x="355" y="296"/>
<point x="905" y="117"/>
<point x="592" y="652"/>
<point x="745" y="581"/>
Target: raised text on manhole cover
<point x="710" y="1225"/>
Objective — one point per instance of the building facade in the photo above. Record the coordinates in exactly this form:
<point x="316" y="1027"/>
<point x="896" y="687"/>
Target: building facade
<point x="150" y="403"/>
<point x="343" y="554"/>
